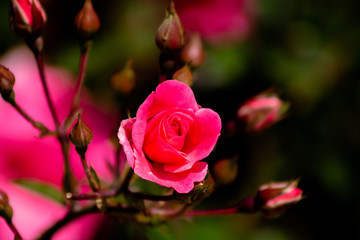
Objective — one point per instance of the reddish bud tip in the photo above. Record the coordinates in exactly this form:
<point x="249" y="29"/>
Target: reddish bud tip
<point x="124" y="80"/>
<point x="80" y="135"/>
<point x="27" y="18"/>
<point x="262" y="111"/>
<point x="274" y="198"/>
<point x="6" y="211"/>
<point x="193" y="52"/>
<point x="87" y="22"/>
<point x="170" y="34"/>
<point x="184" y="75"/>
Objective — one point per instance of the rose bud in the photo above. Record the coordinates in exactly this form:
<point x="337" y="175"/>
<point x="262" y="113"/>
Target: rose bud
<point x="184" y="75"/>
<point x="7" y="81"/>
<point x="27" y="18"/>
<point x="81" y="136"/>
<point x="274" y="198"/>
<point x="201" y="190"/>
<point x="124" y="80"/>
<point x="6" y="211"/>
<point x="87" y="22"/>
<point x="225" y="170"/>
<point x="170" y="34"/>
<point x="262" y="111"/>
<point x="193" y="52"/>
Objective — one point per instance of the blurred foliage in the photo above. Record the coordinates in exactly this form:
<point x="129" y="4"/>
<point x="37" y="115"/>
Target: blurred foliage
<point x="307" y="50"/>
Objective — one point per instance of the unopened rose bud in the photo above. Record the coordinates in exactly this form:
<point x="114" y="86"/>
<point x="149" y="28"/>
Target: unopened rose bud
<point x="193" y="53"/>
<point x="27" y="18"/>
<point x="7" y="81"/>
<point x="184" y="75"/>
<point x="225" y="170"/>
<point x="274" y="198"/>
<point x="170" y="34"/>
<point x="124" y="81"/>
<point x="262" y="111"/>
<point x="200" y="191"/>
<point x="80" y="135"/>
<point x="6" y="211"/>
<point x="87" y="22"/>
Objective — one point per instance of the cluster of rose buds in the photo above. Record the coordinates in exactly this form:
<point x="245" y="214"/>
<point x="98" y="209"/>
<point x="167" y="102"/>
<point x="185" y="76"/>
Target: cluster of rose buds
<point x="181" y="52"/>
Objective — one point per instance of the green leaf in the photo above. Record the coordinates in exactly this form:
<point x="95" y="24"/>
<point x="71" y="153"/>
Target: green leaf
<point x="43" y="188"/>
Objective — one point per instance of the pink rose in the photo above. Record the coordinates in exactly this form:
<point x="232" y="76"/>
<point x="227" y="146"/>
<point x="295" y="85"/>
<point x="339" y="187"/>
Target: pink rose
<point x="169" y="137"/>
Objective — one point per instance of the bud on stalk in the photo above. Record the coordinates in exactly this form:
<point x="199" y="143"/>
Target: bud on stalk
<point x="27" y="18"/>
<point x="274" y="198"/>
<point x="193" y="53"/>
<point x="81" y="136"/>
<point x="87" y="22"/>
<point x="6" y="211"/>
<point x="184" y="75"/>
<point x="7" y="81"/>
<point x="170" y="35"/>
<point x="124" y="80"/>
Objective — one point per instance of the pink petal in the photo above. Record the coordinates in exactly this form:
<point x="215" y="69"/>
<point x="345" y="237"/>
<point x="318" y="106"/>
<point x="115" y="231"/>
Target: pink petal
<point x="203" y="134"/>
<point x="125" y="139"/>
<point x="173" y="94"/>
<point x="182" y="182"/>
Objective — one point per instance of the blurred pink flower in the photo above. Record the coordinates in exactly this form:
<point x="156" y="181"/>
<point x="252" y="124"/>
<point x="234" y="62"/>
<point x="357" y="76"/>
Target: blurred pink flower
<point x="275" y="198"/>
<point x="22" y="155"/>
<point x="262" y="111"/>
<point x="217" y="20"/>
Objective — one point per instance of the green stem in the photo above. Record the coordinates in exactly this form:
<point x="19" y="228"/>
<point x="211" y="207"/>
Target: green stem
<point x="245" y="206"/>
<point x="92" y="182"/>
<point x="125" y="184"/>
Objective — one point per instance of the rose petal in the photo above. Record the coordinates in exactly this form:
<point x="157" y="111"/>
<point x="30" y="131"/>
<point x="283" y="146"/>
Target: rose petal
<point x="173" y="94"/>
<point x="124" y="136"/>
<point x="139" y="128"/>
<point x="182" y="182"/>
<point x="203" y="134"/>
<point x="157" y="147"/>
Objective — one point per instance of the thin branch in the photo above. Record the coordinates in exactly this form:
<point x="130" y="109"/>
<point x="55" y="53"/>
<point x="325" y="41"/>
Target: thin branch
<point x="14" y="230"/>
<point x="125" y="184"/>
<point x="81" y="75"/>
<point x="38" y="125"/>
